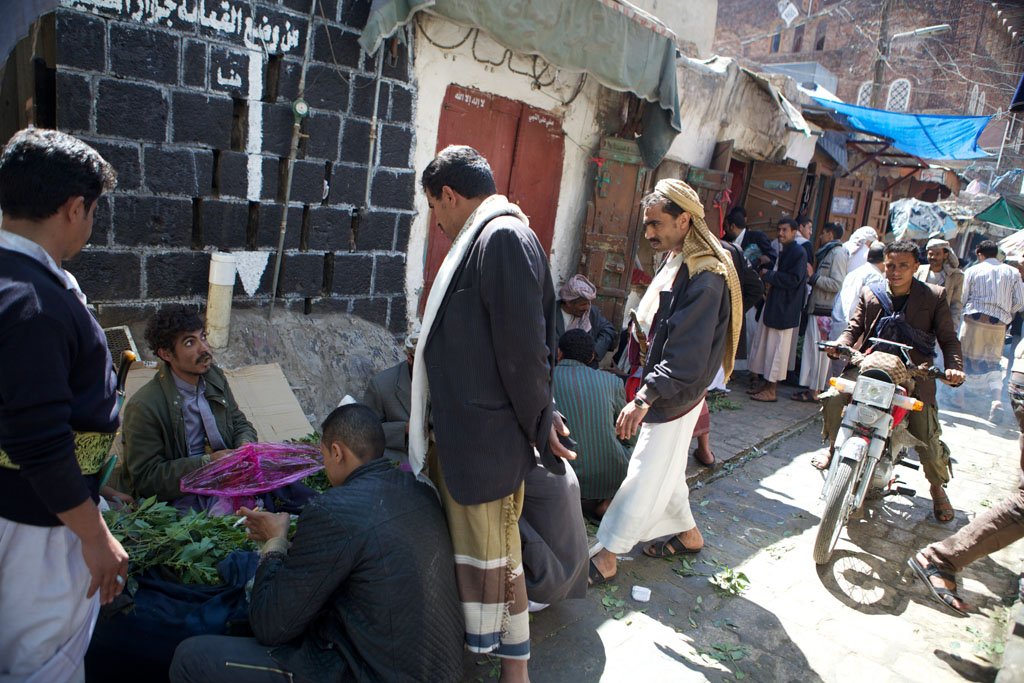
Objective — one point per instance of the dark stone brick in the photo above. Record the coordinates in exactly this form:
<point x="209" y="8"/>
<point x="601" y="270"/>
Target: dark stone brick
<point x="177" y="274"/>
<point x="355" y="142"/>
<point x="395" y="146"/>
<point x="124" y="159"/>
<point x="152" y="221"/>
<point x="270" y="226"/>
<point x="398" y="323"/>
<point x="389" y="275"/>
<point x="302" y="275"/>
<point x="193" y="63"/>
<point x="363" y="88"/>
<point x="81" y="41"/>
<point x="376" y="231"/>
<point x="329" y="228"/>
<point x="278" y="124"/>
<point x="354" y="13"/>
<point x="131" y="111"/>
<point x="325" y="88"/>
<point x="393" y="189"/>
<point x="224" y="223"/>
<point x="374" y="309"/>
<point x="348" y="184"/>
<point x="402" y="232"/>
<point x="203" y="119"/>
<point x="229" y="71"/>
<point x="74" y="97"/>
<point x="307" y="182"/>
<point x="111" y="315"/>
<point x="331" y="305"/>
<point x="400" y="69"/>
<point x="328" y="7"/>
<point x="101" y="222"/>
<point x="323" y="130"/>
<point x="288" y="80"/>
<point x="107" y="275"/>
<point x="142" y="53"/>
<point x="179" y="171"/>
<point x="353" y="274"/>
<point x="345" y="43"/>
<point x="401" y="105"/>
<point x="233" y="178"/>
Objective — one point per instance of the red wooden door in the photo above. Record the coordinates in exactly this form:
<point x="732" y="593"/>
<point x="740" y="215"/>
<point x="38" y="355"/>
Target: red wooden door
<point x="524" y="147"/>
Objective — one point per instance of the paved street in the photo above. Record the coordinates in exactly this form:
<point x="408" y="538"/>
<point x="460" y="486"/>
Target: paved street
<point x="862" y="617"/>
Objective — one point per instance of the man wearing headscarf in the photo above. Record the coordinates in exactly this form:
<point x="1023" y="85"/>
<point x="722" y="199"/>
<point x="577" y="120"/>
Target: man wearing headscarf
<point x="943" y="269"/>
<point x="691" y="315"/>
<point x="575" y="299"/>
<point x="858" y="245"/>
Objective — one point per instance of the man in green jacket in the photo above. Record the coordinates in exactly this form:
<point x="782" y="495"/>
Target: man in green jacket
<point x="183" y="418"/>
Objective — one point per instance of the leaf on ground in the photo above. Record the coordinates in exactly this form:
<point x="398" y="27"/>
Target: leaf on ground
<point x="692" y="622"/>
<point x="619" y="614"/>
<point x="671" y="612"/>
<point x="740" y="675"/>
<point x="704" y="503"/>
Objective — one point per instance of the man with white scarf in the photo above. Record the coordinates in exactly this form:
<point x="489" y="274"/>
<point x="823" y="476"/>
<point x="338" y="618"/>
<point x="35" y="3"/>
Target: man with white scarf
<point x="482" y="373"/>
<point x="691" y="315"/>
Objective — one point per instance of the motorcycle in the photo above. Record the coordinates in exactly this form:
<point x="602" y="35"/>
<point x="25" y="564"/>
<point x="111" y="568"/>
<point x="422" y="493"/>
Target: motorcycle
<point x="872" y="440"/>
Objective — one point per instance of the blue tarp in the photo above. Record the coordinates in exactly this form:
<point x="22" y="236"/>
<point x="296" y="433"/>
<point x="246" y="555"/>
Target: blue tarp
<point x="924" y="135"/>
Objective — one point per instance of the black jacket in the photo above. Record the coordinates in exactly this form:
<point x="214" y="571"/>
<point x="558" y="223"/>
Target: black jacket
<point x="763" y="243"/>
<point x="367" y="590"/>
<point x="489" y="359"/>
<point x="751" y="287"/>
<point x="601" y="331"/>
<point x="787" y="287"/>
<point x="687" y="344"/>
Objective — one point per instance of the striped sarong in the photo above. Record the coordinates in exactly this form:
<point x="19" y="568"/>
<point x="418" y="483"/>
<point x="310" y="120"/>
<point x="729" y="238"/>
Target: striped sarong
<point x="488" y="569"/>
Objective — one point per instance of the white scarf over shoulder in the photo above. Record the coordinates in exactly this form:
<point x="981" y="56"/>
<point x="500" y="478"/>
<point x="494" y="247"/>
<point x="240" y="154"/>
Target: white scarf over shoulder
<point x="491" y="208"/>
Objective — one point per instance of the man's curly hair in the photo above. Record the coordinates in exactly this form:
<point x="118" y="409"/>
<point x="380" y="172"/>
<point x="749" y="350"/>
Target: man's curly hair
<point x="167" y="323"/>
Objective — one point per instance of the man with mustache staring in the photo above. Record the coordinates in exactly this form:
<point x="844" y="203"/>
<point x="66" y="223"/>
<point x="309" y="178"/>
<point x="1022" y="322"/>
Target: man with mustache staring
<point x="692" y="313"/>
<point x="183" y="418"/>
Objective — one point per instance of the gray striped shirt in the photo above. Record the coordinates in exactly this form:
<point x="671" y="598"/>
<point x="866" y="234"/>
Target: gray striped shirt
<point x="993" y="288"/>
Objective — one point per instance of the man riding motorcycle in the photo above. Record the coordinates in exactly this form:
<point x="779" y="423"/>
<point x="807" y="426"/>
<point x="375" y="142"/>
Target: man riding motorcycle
<point x="911" y="312"/>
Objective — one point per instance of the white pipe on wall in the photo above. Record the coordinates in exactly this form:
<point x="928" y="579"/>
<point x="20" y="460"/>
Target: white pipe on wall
<point x="218" y="301"/>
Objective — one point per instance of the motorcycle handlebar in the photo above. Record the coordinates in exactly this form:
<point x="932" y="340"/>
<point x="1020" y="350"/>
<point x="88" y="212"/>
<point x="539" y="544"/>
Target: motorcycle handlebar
<point x="842" y="351"/>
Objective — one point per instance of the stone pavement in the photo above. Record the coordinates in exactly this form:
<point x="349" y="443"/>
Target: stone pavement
<point x="861" y="617"/>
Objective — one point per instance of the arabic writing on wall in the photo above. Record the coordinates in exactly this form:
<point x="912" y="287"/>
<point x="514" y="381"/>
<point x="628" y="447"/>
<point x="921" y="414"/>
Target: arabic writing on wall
<point x="275" y="31"/>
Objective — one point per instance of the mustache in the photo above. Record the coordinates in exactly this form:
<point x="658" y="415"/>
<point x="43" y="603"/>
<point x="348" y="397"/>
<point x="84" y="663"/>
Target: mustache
<point x="203" y="357"/>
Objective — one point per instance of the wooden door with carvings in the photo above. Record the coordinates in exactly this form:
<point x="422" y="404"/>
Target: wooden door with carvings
<point x="524" y="146"/>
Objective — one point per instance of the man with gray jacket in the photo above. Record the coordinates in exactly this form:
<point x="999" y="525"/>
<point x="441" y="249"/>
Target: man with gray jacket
<point x="830" y="269"/>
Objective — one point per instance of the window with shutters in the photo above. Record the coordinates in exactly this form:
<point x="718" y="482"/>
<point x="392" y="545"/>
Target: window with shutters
<point x="798" y="38"/>
<point x="899" y="95"/>
<point x="776" y="39"/>
<point x="864" y="94"/>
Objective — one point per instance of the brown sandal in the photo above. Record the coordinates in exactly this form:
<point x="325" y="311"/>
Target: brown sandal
<point x="941" y="506"/>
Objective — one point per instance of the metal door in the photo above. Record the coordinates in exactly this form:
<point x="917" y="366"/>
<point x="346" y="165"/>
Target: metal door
<point x="846" y="206"/>
<point x="611" y="229"/>
<point x="774" y="193"/>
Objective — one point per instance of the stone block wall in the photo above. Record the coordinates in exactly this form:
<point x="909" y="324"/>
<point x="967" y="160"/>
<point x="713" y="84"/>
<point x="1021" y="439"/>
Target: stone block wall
<point x="193" y="109"/>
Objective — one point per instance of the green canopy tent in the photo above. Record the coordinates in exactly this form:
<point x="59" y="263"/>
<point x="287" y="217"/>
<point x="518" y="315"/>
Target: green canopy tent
<point x="1007" y="211"/>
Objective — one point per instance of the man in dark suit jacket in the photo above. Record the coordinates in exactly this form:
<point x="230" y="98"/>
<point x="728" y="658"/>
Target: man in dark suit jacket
<point x="575" y="299"/>
<point x="388" y="395"/>
<point x="485" y="359"/>
<point x="755" y="244"/>
<point x="925" y="309"/>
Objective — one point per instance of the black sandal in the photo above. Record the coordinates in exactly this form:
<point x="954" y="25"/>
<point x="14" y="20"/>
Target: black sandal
<point x="662" y="549"/>
<point x="596" y="577"/>
<point x="940" y="593"/>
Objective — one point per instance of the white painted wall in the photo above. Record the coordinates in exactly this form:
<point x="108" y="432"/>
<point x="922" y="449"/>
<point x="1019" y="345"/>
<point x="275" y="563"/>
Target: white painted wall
<point x="693" y="21"/>
<point x="434" y="69"/>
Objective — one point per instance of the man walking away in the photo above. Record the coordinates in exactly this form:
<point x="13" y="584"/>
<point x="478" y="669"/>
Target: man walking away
<point x="691" y="314"/>
<point x="58" y="412"/>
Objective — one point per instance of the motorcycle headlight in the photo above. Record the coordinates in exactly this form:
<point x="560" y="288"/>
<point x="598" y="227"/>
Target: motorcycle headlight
<point x="874" y="392"/>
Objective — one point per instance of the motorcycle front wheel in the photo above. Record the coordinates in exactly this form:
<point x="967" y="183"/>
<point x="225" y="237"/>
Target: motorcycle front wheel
<point x="832" y="519"/>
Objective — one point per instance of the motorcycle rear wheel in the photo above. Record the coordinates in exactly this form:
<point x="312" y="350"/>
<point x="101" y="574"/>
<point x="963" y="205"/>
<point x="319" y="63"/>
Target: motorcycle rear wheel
<point x="835" y="514"/>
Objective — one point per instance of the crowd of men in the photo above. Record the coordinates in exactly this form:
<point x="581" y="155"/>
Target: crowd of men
<point x="458" y="498"/>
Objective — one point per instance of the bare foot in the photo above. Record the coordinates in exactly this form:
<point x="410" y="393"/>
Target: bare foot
<point x="514" y="670"/>
<point x="941" y="506"/>
<point x="692" y="539"/>
<point x="605" y="563"/>
<point x="765" y="396"/>
<point x="602" y="507"/>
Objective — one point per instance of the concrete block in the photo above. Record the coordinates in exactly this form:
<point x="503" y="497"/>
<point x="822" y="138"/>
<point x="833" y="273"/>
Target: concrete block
<point x="152" y="221"/>
<point x="107" y="275"/>
<point x="202" y="118"/>
<point x="131" y="111"/>
<point x="302" y="275"/>
<point x="389" y="275"/>
<point x="401" y="104"/>
<point x="269" y="230"/>
<point x="363" y="88"/>
<point x="348" y="184"/>
<point x="179" y="171"/>
<point x="329" y="228"/>
<point x="143" y="53"/>
<point x="393" y="189"/>
<point x="233" y="175"/>
<point x="101" y="222"/>
<point x="177" y="274"/>
<point x="402" y="232"/>
<point x="398" y="322"/>
<point x="376" y="231"/>
<point x="278" y="126"/>
<point x="400" y="69"/>
<point x="325" y="88"/>
<point x="374" y="309"/>
<point x="81" y="41"/>
<point x="193" y="63"/>
<point x="354" y="13"/>
<point x="307" y="182"/>
<point x="124" y="159"/>
<point x="395" y="146"/>
<point x="323" y="129"/>
<point x="352" y="274"/>
<point x="225" y="223"/>
<point x="355" y="141"/>
<point x="347" y="52"/>
<point x="229" y="71"/>
<point x="74" y="97"/>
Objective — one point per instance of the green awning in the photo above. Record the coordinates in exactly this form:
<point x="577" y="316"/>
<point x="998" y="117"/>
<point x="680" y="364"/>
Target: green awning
<point x="1007" y="211"/>
<point x="625" y="49"/>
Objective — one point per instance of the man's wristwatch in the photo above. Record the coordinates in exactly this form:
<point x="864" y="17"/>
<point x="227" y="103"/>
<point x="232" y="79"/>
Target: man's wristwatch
<point x="640" y="403"/>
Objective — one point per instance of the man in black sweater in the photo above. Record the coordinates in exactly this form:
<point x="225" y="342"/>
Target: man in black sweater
<point x="58" y="411"/>
<point x="364" y="592"/>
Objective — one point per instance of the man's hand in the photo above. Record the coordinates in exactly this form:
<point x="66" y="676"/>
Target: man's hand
<point x="558" y="426"/>
<point x="217" y="455"/>
<point x="106" y="559"/>
<point x="629" y="420"/>
<point x="955" y="378"/>
<point x="832" y="352"/>
<point x="263" y="526"/>
<point x="116" y="497"/>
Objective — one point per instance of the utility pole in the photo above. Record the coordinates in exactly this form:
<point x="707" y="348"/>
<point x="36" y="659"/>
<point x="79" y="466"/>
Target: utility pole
<point x="881" y="56"/>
